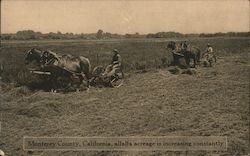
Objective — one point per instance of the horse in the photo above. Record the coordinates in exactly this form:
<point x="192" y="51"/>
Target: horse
<point x="33" y="57"/>
<point x="55" y="63"/>
<point x="78" y="65"/>
<point x="191" y="52"/>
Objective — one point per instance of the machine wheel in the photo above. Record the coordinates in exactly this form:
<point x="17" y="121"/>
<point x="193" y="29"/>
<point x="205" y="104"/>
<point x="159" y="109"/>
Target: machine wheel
<point x="117" y="79"/>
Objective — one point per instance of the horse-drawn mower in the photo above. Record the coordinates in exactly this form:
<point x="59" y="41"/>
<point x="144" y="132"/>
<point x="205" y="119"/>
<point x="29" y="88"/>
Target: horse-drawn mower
<point x="100" y="78"/>
<point x="66" y="72"/>
<point x="63" y="79"/>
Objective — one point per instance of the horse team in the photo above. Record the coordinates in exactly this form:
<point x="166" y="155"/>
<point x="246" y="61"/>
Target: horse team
<point x="81" y="66"/>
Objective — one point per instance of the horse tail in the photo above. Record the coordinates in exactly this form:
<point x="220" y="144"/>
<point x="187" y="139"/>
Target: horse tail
<point x="85" y="67"/>
<point x="198" y="55"/>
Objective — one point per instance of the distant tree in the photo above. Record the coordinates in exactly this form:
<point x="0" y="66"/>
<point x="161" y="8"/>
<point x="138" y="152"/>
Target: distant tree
<point x="165" y="35"/>
<point x="28" y="34"/>
<point x="5" y="36"/>
<point x="151" y="35"/>
<point x="99" y="34"/>
<point x="128" y="36"/>
<point x="107" y="35"/>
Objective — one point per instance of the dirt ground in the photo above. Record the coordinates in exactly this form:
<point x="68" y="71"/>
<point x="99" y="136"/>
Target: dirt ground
<point x="213" y="101"/>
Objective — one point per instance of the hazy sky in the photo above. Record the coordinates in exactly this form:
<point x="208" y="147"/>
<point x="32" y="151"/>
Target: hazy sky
<point x="120" y="16"/>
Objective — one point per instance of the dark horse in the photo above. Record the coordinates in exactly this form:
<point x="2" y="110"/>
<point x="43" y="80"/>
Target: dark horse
<point x="77" y="65"/>
<point x="191" y="52"/>
<point x="33" y="56"/>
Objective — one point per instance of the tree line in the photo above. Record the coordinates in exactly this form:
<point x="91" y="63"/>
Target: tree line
<point x="100" y="34"/>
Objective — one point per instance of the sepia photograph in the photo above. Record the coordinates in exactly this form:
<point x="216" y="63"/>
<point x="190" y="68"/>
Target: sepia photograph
<point x="125" y="78"/>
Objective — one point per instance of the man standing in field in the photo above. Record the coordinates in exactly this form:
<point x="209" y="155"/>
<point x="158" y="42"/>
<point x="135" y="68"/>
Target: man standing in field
<point x="209" y="55"/>
<point x="210" y="52"/>
<point x="115" y="63"/>
<point x="184" y="46"/>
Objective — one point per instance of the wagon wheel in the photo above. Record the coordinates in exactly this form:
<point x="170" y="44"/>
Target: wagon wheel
<point x="117" y="79"/>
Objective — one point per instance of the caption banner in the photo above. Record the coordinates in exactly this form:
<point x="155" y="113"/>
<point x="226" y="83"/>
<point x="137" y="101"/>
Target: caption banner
<point x="169" y="143"/>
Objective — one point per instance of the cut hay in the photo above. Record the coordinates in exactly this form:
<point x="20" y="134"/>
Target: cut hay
<point x="175" y="70"/>
<point x="189" y="71"/>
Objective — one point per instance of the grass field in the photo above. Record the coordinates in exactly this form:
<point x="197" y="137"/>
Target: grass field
<point x="135" y="52"/>
<point x="212" y="102"/>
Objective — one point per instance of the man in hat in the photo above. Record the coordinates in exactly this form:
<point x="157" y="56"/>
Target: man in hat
<point x="115" y="63"/>
<point x="184" y="46"/>
<point x="210" y="52"/>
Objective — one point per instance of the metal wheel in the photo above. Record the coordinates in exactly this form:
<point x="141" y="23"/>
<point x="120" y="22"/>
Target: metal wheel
<point x="117" y="79"/>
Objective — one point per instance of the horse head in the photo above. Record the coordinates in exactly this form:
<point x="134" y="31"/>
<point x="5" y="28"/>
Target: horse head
<point x="49" y="58"/>
<point x="33" y="55"/>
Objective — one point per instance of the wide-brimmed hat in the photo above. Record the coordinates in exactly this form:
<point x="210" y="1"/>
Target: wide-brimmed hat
<point x="115" y="50"/>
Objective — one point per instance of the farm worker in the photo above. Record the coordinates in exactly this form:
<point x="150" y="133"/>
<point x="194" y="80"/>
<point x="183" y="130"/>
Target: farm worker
<point x="115" y="63"/>
<point x="210" y="52"/>
<point x="184" y="46"/>
<point x="181" y="46"/>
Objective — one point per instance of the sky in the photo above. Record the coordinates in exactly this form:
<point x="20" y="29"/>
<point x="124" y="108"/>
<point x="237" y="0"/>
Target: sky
<point x="125" y="16"/>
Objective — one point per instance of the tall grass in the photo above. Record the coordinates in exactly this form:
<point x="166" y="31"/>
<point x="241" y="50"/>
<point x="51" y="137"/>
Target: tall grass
<point x="135" y="54"/>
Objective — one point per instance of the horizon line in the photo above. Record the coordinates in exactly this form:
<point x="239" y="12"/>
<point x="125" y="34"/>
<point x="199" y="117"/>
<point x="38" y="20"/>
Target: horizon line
<point x="79" y="33"/>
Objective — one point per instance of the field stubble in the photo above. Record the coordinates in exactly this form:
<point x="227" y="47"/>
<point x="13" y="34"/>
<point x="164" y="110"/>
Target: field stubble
<point x="214" y="101"/>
